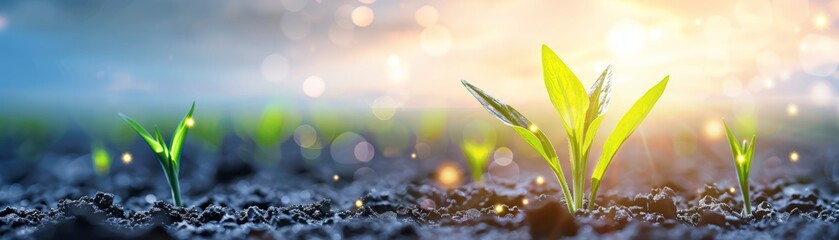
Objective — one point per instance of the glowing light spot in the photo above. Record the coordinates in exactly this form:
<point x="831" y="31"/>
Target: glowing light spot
<point x="741" y="159"/>
<point x="793" y="156"/>
<point x="540" y="180"/>
<point x="448" y="175"/>
<point x="305" y="136"/>
<point x="426" y="16"/>
<point x="384" y="107"/>
<point x="525" y="202"/>
<point x="413" y="155"/>
<point x="655" y="34"/>
<point x="697" y="21"/>
<point x="533" y="128"/>
<point x="362" y="16"/>
<point x="314" y="86"/>
<point x="275" y="67"/>
<point x="768" y="83"/>
<point x="189" y="122"/>
<point x="336" y="177"/>
<point x="364" y="151"/>
<point x="503" y="156"/>
<point x="393" y="60"/>
<point x="731" y="189"/>
<point x="713" y="129"/>
<point x="499" y="209"/>
<point x="626" y="37"/>
<point x="797" y="29"/>
<point x="127" y="158"/>
<point x="359" y="203"/>
<point x="436" y="40"/>
<point x="821" y="21"/>
<point x="792" y="110"/>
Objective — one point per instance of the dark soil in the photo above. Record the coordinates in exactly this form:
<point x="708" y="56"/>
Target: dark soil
<point x="230" y="198"/>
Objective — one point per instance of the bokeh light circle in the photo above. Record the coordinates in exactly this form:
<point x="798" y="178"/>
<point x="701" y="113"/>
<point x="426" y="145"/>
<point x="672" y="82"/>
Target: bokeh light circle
<point x="362" y="16"/>
<point x="364" y="151"/>
<point x="384" y="107"/>
<point x="343" y="148"/>
<point x="426" y="16"/>
<point x="314" y="86"/>
<point x="503" y="156"/>
<point x="305" y="136"/>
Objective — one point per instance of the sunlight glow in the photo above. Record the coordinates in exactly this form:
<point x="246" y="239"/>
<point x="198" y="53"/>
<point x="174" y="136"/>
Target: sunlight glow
<point x="448" y="175"/>
<point x="362" y="16"/>
<point x="793" y="156"/>
<point x="792" y="110"/>
<point x="127" y="158"/>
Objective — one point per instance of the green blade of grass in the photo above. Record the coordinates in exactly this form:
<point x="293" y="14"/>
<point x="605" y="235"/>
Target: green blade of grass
<point x="154" y="144"/>
<point x="600" y="95"/>
<point x="626" y="126"/>
<point x="527" y="130"/>
<point x="179" y="137"/>
<point x="736" y="149"/>
<point x="165" y="153"/>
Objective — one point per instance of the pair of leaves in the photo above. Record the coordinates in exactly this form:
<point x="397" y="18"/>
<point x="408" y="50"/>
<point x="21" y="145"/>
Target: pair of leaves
<point x="169" y="158"/>
<point x="743" y="154"/>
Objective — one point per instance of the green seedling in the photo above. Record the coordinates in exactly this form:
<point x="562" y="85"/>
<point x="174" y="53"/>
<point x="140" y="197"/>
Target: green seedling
<point x="743" y="155"/>
<point x="101" y="159"/>
<point x="581" y="114"/>
<point x="169" y="158"/>
<point x="477" y="145"/>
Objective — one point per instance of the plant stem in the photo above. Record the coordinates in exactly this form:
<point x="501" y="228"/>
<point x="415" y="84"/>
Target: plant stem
<point x="595" y="184"/>
<point x="172" y="178"/>
<point x="579" y="174"/>
<point x="744" y="190"/>
<point x="560" y="176"/>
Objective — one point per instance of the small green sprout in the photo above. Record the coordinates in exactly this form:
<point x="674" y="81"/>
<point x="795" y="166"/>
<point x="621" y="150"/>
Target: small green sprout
<point x="169" y="158"/>
<point x="477" y="145"/>
<point x="101" y="159"/>
<point x="743" y="155"/>
<point x="581" y="113"/>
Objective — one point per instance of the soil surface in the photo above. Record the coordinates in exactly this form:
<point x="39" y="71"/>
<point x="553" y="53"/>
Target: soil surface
<point x="227" y="197"/>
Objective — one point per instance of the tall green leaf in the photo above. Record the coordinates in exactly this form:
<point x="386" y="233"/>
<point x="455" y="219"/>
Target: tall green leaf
<point x="179" y="136"/>
<point x="600" y="95"/>
<point x="154" y="144"/>
<point x="566" y="92"/>
<point x="628" y="123"/>
<point x="526" y="129"/>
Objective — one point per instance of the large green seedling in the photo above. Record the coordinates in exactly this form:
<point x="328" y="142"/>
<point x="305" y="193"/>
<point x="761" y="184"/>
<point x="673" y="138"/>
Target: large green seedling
<point x="169" y="157"/>
<point x="743" y="155"/>
<point x="581" y="114"/>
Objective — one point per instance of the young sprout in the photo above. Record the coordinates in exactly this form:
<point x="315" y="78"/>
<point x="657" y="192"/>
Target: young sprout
<point x="101" y="159"/>
<point x="743" y="154"/>
<point x="581" y="113"/>
<point x="478" y="143"/>
<point x="169" y="158"/>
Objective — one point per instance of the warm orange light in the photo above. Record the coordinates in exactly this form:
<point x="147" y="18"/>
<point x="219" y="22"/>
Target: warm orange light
<point x="336" y="177"/>
<point x="713" y="129"/>
<point x="448" y="175"/>
<point x="525" y="201"/>
<point x="792" y="110"/>
<point x="540" y="180"/>
<point x="821" y="21"/>
<point x="731" y="190"/>
<point x="499" y="209"/>
<point x="413" y="155"/>
<point x="127" y="158"/>
<point x="793" y="156"/>
<point x="359" y="203"/>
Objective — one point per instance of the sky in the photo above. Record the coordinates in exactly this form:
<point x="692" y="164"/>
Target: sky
<point x="410" y="54"/>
